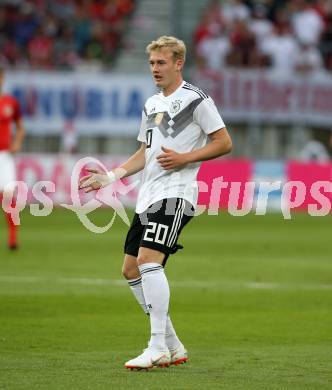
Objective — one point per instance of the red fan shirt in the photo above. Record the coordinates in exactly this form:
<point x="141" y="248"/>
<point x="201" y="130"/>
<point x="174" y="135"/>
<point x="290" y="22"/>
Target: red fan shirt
<point x="9" y="112"/>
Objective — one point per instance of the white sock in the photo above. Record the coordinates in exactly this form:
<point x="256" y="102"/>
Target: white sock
<point x="172" y="340"/>
<point x="137" y="289"/>
<point x="156" y="294"/>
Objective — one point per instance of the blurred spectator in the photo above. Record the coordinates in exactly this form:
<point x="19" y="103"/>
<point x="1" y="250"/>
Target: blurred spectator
<point x="281" y="47"/>
<point x="324" y="9"/>
<point x="287" y="35"/>
<point x="326" y="41"/>
<point x="244" y="51"/>
<point x="62" y="34"/>
<point x="4" y="25"/>
<point x="235" y="10"/>
<point x="259" y="24"/>
<point x="50" y="25"/>
<point x="62" y="9"/>
<point x="93" y="50"/>
<point x="308" y="59"/>
<point x="328" y="63"/>
<point x="10" y="53"/>
<point x="26" y="25"/>
<point x="307" y="23"/>
<point x="211" y="20"/>
<point x="213" y="49"/>
<point x="40" y="49"/>
<point x="114" y="11"/>
<point x="65" y="54"/>
<point x="82" y="28"/>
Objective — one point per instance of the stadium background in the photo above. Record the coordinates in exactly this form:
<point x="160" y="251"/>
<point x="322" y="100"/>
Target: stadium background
<point x="259" y="288"/>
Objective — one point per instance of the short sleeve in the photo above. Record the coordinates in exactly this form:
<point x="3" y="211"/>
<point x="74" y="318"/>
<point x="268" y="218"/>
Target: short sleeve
<point x="141" y="135"/>
<point x="207" y="116"/>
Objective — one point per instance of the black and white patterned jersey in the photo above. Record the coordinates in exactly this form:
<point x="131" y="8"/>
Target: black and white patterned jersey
<point x="181" y="122"/>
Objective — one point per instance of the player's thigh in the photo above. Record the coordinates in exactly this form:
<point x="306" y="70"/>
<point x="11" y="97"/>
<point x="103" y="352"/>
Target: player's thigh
<point x="147" y="255"/>
<point x="7" y="174"/>
<point x="129" y="268"/>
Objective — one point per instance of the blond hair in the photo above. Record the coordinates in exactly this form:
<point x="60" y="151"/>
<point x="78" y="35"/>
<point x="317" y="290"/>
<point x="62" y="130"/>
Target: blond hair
<point x="176" y="46"/>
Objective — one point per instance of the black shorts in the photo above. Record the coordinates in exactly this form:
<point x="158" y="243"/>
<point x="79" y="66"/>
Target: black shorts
<point x="159" y="227"/>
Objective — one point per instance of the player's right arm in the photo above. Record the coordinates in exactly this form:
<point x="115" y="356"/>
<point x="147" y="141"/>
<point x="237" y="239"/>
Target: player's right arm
<point x="19" y="136"/>
<point x="98" y="179"/>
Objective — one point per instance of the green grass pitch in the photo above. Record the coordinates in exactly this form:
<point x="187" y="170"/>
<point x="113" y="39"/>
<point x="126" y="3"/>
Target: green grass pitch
<point x="251" y="298"/>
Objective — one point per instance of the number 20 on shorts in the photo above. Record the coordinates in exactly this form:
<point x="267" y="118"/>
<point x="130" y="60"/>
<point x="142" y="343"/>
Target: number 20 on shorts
<point x="156" y="232"/>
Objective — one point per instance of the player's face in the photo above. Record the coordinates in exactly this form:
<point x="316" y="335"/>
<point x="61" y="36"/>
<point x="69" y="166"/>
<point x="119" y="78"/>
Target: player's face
<point x="164" y="69"/>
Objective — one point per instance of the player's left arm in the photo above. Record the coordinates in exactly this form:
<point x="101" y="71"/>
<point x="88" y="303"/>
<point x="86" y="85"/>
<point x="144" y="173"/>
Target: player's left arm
<point x="17" y="142"/>
<point x="220" y="144"/>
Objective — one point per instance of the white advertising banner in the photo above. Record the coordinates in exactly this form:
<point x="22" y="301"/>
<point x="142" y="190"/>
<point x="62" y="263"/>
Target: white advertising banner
<point x="262" y="96"/>
<point x="93" y="103"/>
<point x="106" y="104"/>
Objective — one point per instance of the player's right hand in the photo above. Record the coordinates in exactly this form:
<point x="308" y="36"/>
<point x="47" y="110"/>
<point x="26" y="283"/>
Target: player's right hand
<point x="96" y="180"/>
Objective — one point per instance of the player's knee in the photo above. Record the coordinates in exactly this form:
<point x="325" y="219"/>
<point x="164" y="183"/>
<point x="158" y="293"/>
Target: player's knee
<point x="126" y="272"/>
<point x="130" y="272"/>
<point x="129" y="267"/>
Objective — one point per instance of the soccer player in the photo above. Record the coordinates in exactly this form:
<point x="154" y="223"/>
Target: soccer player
<point x="9" y="145"/>
<point x="176" y="124"/>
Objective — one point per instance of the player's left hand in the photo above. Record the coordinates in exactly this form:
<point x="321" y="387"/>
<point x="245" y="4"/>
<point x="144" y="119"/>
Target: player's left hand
<point x="95" y="180"/>
<point x="171" y="159"/>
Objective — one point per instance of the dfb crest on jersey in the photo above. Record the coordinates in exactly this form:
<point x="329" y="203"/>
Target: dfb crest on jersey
<point x="158" y="118"/>
<point x="175" y="106"/>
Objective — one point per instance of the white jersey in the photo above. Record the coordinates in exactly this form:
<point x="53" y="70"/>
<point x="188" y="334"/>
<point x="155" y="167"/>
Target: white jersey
<point x="181" y="122"/>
